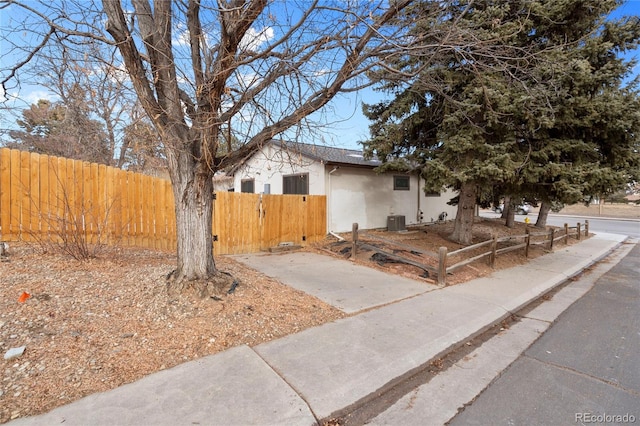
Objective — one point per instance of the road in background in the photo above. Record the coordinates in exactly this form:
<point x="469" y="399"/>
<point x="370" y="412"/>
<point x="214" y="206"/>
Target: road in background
<point x="630" y="227"/>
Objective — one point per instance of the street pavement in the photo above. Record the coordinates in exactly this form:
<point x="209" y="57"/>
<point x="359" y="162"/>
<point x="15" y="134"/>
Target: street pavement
<point x="585" y="369"/>
<point x="440" y="400"/>
<point x="309" y="376"/>
<point x="598" y="224"/>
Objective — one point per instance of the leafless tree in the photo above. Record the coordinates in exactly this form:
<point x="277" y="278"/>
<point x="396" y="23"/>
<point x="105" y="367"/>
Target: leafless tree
<point x="86" y="78"/>
<point x="141" y="149"/>
<point x="251" y="69"/>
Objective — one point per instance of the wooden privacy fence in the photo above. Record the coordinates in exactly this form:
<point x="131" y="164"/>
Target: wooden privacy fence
<point x="42" y="198"/>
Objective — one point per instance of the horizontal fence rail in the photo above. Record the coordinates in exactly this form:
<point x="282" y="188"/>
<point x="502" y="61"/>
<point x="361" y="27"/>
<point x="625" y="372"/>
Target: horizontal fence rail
<point x="522" y="242"/>
<point x="44" y="198"/>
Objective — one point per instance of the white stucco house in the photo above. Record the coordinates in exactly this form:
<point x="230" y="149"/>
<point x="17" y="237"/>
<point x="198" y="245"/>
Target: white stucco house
<point x="354" y="191"/>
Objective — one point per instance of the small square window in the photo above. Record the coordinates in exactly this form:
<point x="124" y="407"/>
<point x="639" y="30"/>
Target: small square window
<point x="401" y="183"/>
<point x="247" y="185"/>
<point x="295" y="184"/>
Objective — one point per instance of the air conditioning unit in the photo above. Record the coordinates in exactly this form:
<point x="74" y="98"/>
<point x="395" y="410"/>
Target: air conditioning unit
<point x="395" y="223"/>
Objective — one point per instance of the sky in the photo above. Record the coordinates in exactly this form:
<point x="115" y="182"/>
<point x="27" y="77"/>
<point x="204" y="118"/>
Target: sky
<point x="347" y="125"/>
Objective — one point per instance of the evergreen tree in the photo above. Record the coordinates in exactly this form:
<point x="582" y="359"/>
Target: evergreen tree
<point x="591" y="149"/>
<point x="497" y="120"/>
<point x="63" y="130"/>
<point x="454" y="120"/>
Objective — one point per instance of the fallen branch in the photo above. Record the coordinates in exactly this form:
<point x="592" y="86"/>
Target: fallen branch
<point x="426" y="268"/>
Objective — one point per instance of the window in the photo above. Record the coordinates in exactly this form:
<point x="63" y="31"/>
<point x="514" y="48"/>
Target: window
<point x="401" y="183"/>
<point x="247" y="185"/>
<point x="295" y="184"/>
<point x="431" y="194"/>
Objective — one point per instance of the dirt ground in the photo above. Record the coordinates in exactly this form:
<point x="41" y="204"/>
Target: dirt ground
<point x="420" y="244"/>
<point x="95" y="325"/>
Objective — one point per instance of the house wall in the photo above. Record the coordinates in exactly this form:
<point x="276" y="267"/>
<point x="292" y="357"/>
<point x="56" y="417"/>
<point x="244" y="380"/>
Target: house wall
<point x="269" y="165"/>
<point x="354" y="194"/>
<point x="363" y="196"/>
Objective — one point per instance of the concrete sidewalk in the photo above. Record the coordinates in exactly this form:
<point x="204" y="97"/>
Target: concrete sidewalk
<point x="343" y="284"/>
<point x="308" y="376"/>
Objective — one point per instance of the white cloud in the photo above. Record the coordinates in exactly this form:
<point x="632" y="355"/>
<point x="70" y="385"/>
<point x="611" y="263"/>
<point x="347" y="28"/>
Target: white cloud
<point x="182" y="36"/>
<point x="253" y="38"/>
<point x="117" y="73"/>
<point x="35" y="95"/>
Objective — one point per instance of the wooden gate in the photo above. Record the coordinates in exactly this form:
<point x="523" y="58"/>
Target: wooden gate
<point x="248" y="223"/>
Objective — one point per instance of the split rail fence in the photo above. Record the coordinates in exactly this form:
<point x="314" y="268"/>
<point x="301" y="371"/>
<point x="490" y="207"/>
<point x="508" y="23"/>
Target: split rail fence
<point x="524" y="242"/>
<point x="43" y="197"/>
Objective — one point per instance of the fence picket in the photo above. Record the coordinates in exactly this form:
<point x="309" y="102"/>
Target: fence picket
<point x="45" y="192"/>
<point x="5" y="193"/>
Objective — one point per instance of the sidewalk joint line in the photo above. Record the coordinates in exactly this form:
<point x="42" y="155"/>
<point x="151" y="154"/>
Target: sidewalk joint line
<point x="313" y="413"/>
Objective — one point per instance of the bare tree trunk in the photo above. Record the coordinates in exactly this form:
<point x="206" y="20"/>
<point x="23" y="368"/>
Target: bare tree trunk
<point x="196" y="270"/>
<point x="123" y="152"/>
<point x="543" y="214"/>
<point x="194" y="209"/>
<point x="463" y="225"/>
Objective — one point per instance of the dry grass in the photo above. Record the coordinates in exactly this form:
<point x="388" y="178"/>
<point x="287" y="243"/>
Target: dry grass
<point x="624" y="211"/>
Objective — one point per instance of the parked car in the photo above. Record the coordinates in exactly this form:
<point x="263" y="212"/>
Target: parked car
<point x="520" y="209"/>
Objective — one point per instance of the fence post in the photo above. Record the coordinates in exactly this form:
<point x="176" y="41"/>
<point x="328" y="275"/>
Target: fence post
<point x="586" y="228"/>
<point x="442" y="266"/>
<point x="527" y="239"/>
<point x="566" y="233"/>
<point x="579" y="231"/>
<point x="494" y="247"/>
<point x="354" y="236"/>
<point x="551" y="236"/>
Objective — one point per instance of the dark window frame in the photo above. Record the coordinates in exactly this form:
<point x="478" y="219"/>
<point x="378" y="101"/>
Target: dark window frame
<point x="399" y="187"/>
<point x="297" y="187"/>
<point x="245" y="182"/>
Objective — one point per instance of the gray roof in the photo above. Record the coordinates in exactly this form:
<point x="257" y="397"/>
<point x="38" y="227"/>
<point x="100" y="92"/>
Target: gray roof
<point x="329" y="155"/>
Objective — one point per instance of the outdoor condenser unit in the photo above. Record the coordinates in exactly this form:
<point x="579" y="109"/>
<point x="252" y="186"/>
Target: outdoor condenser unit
<point x="395" y="223"/>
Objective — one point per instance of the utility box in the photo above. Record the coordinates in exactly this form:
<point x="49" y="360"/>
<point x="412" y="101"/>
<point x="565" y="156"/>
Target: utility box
<point x="395" y="223"/>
